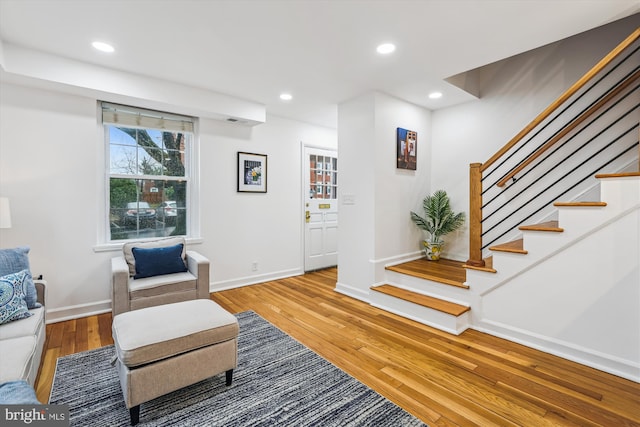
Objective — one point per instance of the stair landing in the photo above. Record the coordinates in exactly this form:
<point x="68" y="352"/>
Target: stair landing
<point x="447" y="271"/>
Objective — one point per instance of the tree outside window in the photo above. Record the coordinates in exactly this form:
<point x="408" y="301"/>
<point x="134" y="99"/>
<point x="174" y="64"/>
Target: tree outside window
<point x="148" y="180"/>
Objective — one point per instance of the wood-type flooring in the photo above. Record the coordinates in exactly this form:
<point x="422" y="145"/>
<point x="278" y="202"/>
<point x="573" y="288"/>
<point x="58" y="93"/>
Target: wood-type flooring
<point x="445" y="380"/>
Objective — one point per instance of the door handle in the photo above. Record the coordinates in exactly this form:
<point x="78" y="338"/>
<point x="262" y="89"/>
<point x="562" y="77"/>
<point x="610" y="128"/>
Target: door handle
<point x="307" y="216"/>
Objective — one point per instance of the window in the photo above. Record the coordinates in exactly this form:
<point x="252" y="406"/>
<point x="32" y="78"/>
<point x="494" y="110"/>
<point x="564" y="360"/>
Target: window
<point x="324" y="177"/>
<point x="149" y="172"/>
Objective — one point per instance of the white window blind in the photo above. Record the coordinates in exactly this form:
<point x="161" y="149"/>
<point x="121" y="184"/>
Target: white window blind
<point x="122" y="115"/>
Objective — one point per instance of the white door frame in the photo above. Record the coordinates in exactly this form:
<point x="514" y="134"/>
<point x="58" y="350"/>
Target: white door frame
<point x="303" y="195"/>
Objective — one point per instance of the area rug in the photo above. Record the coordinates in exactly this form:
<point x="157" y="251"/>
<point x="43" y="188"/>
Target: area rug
<point x="278" y="382"/>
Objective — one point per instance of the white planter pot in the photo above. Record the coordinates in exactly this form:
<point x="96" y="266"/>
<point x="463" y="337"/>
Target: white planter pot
<point x="432" y="249"/>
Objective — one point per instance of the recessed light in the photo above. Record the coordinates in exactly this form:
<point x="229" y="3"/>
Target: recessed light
<point x="103" y="47"/>
<point x="286" y="96"/>
<point x="386" y="48"/>
<point x="435" y="95"/>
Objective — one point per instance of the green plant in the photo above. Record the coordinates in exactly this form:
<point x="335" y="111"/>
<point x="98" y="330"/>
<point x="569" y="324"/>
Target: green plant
<point x="439" y="218"/>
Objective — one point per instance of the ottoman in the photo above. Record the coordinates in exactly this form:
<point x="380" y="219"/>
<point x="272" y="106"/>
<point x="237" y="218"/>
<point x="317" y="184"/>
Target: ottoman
<point x="167" y="347"/>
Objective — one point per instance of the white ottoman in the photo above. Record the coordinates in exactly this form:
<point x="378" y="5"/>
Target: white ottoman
<point x="167" y="347"/>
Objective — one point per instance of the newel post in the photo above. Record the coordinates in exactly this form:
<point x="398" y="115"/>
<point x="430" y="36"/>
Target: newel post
<point x="475" y="215"/>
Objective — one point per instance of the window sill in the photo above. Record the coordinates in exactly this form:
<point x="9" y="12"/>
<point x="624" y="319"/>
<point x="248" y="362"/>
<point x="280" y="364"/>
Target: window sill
<point x="112" y="247"/>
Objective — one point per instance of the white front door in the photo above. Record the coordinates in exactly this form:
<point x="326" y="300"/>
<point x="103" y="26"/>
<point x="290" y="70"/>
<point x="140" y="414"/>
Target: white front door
<point x="320" y="208"/>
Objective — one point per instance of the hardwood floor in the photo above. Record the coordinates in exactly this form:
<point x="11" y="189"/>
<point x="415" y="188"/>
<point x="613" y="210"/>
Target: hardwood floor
<point x="445" y="380"/>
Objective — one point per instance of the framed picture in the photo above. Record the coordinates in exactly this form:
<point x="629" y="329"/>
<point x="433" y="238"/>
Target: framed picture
<point x="407" y="149"/>
<point x="252" y="173"/>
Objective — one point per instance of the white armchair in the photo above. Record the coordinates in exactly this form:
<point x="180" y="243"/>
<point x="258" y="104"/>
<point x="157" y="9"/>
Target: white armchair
<point x="131" y="293"/>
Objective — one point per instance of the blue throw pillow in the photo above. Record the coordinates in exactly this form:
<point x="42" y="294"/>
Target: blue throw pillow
<point x="13" y="289"/>
<point x="157" y="261"/>
<point x="15" y="260"/>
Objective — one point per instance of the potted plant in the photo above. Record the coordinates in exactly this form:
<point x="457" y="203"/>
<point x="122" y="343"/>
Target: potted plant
<point x="439" y="220"/>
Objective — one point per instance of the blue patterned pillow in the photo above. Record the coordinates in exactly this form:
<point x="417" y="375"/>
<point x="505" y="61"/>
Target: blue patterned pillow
<point x="15" y="260"/>
<point x="13" y="289"/>
<point x="157" y="261"/>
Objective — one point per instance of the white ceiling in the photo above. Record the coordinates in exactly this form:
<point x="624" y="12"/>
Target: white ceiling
<point x="320" y="51"/>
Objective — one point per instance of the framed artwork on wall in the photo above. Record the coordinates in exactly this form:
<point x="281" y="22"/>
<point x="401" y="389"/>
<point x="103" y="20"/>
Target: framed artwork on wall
<point x="406" y="149"/>
<point x="252" y="173"/>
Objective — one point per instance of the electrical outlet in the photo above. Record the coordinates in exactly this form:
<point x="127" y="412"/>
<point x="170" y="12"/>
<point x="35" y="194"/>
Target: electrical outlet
<point x="254" y="266"/>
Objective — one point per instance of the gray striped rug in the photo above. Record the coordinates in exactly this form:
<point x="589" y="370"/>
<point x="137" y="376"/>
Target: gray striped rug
<point x="278" y="382"/>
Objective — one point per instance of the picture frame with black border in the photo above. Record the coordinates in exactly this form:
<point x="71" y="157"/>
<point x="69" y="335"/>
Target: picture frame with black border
<point x="252" y="172"/>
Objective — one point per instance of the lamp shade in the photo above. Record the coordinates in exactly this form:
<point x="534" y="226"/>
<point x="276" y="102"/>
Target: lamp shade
<point x="5" y="213"/>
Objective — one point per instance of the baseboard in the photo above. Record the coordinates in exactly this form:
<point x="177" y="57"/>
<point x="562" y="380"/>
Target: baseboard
<point x="397" y="259"/>
<point x="352" y="292"/>
<point x="61" y="314"/>
<point x="224" y="285"/>
<point x="584" y="356"/>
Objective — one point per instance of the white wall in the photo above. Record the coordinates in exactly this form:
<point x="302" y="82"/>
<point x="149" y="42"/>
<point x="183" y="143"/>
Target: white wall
<point x="356" y="230"/>
<point x="512" y="93"/>
<point x="49" y="154"/>
<point x="242" y="228"/>
<point x="399" y="191"/>
<point x="51" y="168"/>
<point x="377" y="230"/>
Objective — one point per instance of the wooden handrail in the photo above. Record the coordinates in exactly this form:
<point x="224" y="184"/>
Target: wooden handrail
<point x="476" y="169"/>
<point x="582" y="117"/>
<point x="572" y="90"/>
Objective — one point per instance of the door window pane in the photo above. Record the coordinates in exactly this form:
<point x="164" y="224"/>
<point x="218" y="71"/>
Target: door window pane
<point x="323" y="177"/>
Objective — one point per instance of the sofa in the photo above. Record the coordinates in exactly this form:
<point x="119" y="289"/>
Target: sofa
<point x="22" y="327"/>
<point x="22" y="343"/>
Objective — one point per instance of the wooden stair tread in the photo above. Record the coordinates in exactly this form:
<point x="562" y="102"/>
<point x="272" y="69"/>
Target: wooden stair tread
<point x="543" y="226"/>
<point x="423" y="300"/>
<point x="516" y="247"/>
<point x="580" y="204"/>
<point x="617" y="175"/>
<point x="446" y="271"/>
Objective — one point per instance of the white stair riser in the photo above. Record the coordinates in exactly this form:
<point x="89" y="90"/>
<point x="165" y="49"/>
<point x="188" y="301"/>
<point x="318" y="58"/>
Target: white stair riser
<point x="434" y="318"/>
<point x="480" y="281"/>
<point x="539" y="243"/>
<point x="427" y="287"/>
<point x="582" y="218"/>
<point x="510" y="262"/>
<point x="620" y="193"/>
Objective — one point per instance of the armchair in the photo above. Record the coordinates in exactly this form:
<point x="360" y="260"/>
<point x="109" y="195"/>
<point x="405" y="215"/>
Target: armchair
<point x="135" y="286"/>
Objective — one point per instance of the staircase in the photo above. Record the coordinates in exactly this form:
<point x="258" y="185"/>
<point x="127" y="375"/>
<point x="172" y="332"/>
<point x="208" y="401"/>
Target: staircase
<point x="559" y="276"/>
<point x="551" y="289"/>
<point x="430" y="292"/>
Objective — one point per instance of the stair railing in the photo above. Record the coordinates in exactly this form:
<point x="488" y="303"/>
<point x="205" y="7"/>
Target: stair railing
<point x="611" y="91"/>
